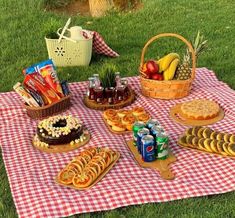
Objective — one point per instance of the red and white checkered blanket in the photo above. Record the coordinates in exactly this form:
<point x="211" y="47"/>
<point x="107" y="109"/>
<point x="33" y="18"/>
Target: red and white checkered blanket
<point x="31" y="173"/>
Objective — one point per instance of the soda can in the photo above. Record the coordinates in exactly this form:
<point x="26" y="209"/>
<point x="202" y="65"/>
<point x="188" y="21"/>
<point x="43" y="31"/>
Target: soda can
<point x="151" y="123"/>
<point x="148" y="150"/>
<point x="155" y="131"/>
<point x="65" y="87"/>
<point x="162" y="142"/>
<point x="136" y="127"/>
<point x="141" y="133"/>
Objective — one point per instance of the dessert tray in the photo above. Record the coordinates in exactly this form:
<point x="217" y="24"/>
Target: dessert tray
<point x="88" y="168"/>
<point x="105" y="105"/>
<point x="61" y="133"/>
<point x="195" y="117"/>
<point x="163" y="166"/>
<point x="206" y="140"/>
<point x="121" y="121"/>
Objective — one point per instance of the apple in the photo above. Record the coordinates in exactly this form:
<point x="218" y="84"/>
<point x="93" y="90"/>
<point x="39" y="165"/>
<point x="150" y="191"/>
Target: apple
<point x="157" y="76"/>
<point x="152" y="67"/>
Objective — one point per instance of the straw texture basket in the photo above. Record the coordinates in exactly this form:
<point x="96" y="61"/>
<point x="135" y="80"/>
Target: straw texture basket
<point x="99" y="7"/>
<point x="48" y="110"/>
<point x="171" y="89"/>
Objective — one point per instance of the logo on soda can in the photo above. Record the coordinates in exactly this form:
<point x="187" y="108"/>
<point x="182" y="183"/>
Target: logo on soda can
<point x="141" y="133"/>
<point x="148" y="148"/>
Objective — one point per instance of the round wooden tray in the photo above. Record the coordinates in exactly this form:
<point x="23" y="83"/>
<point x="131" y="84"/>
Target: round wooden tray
<point x="176" y="115"/>
<point x="64" y="147"/>
<point x="93" y="105"/>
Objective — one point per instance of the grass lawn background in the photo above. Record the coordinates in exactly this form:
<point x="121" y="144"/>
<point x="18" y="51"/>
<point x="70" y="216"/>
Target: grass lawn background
<point x="24" y="24"/>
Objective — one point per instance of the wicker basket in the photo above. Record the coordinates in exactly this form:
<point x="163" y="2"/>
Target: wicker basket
<point x="171" y="89"/>
<point x="48" y="110"/>
<point x="67" y="53"/>
<point x="99" y="7"/>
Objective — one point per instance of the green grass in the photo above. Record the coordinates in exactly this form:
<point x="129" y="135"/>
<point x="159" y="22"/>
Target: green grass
<point x="24" y="24"/>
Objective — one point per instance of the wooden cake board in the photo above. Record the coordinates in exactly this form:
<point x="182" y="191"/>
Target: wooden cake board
<point x="101" y="176"/>
<point x="176" y="115"/>
<point x="64" y="147"/>
<point x="93" y="105"/>
<point x="161" y="165"/>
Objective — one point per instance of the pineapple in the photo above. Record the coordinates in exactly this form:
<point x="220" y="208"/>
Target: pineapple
<point x="183" y="71"/>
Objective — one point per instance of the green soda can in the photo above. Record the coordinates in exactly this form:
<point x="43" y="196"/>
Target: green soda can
<point x="162" y="142"/>
<point x="136" y="127"/>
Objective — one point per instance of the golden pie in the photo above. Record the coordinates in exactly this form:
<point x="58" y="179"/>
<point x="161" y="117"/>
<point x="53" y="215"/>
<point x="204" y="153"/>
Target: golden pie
<point x="200" y="109"/>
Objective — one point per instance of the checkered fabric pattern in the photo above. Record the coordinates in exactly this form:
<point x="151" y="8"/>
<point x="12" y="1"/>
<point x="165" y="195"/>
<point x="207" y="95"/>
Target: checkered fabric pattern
<point x="31" y="173"/>
<point x="99" y="45"/>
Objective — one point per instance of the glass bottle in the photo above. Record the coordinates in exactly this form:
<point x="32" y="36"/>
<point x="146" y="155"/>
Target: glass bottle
<point x="99" y="94"/>
<point x="97" y="80"/>
<point x="124" y="82"/>
<point x="91" y="86"/>
<point x="117" y="79"/>
<point x="120" y="93"/>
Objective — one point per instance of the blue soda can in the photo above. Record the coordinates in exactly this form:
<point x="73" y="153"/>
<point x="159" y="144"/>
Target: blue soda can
<point x="148" y="150"/>
<point x="141" y="133"/>
<point x="151" y="123"/>
<point x="162" y="142"/>
<point x="65" y="87"/>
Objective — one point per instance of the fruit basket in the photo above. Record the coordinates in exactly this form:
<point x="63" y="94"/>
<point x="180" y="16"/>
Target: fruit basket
<point x="167" y="89"/>
<point x="48" y="110"/>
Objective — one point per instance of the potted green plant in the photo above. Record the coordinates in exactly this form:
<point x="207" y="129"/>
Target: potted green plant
<point x="107" y="78"/>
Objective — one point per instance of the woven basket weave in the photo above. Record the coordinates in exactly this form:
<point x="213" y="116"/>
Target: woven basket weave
<point x="48" y="110"/>
<point x="171" y="89"/>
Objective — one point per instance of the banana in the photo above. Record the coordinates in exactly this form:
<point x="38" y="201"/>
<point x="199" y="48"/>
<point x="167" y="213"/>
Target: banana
<point x="166" y="61"/>
<point x="170" y="72"/>
<point x="159" y="62"/>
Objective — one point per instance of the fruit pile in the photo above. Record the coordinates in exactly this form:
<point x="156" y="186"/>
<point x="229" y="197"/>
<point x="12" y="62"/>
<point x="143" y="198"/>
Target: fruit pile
<point x="170" y="66"/>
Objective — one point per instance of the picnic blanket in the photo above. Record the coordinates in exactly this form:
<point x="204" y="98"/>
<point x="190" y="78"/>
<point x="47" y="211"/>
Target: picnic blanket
<point x="31" y="173"/>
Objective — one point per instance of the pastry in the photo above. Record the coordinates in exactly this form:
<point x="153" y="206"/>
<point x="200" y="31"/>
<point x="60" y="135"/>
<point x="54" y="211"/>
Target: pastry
<point x="114" y="120"/>
<point x="119" y="127"/>
<point x="143" y="117"/>
<point x="206" y="139"/>
<point x="59" y="130"/>
<point x="128" y="120"/>
<point x="121" y="113"/>
<point x="84" y="169"/>
<point x="137" y="111"/>
<point x="200" y="109"/>
<point x="109" y="114"/>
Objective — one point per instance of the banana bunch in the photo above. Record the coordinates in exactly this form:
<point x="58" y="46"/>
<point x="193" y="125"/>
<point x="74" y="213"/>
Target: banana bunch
<point x="168" y="65"/>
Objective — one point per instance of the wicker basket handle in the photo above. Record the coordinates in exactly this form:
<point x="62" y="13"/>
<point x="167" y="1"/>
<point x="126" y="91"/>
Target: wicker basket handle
<point x="193" y="56"/>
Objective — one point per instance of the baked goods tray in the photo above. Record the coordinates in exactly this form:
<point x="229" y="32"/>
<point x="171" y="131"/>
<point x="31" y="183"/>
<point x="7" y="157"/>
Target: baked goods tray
<point x="177" y="115"/>
<point x="163" y="166"/>
<point x="190" y="147"/>
<point x="101" y="176"/>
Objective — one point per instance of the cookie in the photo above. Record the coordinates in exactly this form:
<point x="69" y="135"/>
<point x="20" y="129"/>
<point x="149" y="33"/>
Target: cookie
<point x="220" y="136"/>
<point x="231" y="148"/>
<point x="189" y="131"/>
<point x="201" y="145"/>
<point x="227" y="137"/>
<point x="195" y="130"/>
<point x="225" y="148"/>
<point x="207" y="133"/>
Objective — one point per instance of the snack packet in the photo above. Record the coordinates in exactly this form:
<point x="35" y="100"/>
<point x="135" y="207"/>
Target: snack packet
<point x="37" y="97"/>
<point x="37" y="83"/>
<point x="65" y="87"/>
<point x="25" y="95"/>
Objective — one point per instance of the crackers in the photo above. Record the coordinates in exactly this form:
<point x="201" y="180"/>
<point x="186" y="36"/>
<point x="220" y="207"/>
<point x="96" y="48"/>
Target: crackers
<point x="206" y="139"/>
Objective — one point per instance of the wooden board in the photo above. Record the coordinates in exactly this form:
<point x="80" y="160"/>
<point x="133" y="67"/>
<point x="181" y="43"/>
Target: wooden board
<point x="64" y="147"/>
<point x="176" y="115"/>
<point x="161" y="165"/>
<point x="113" y="131"/>
<point x="93" y="105"/>
<point x="186" y="146"/>
<point x="101" y="176"/>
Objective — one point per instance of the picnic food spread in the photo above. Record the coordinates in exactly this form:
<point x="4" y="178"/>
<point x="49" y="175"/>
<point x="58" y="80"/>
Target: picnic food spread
<point x="209" y="140"/>
<point x="200" y="109"/>
<point x="122" y="120"/>
<point x="59" y="130"/>
<point x="87" y="168"/>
